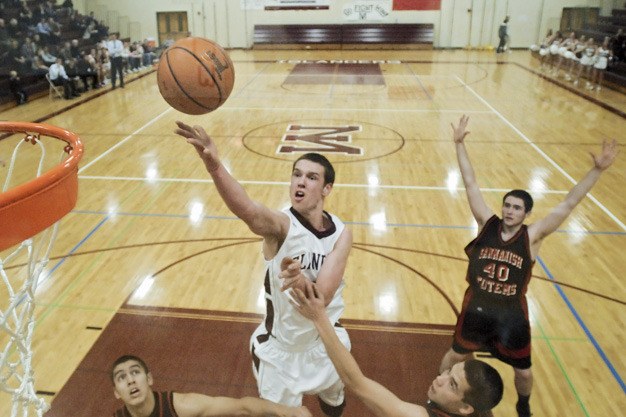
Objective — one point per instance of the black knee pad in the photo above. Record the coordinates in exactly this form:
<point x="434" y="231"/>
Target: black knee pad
<point x="332" y="410"/>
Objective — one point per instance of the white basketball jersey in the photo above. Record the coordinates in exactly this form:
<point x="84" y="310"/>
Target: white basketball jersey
<point x="310" y="247"/>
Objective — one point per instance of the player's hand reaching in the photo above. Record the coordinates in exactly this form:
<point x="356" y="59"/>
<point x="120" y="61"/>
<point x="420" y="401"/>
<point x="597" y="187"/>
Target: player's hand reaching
<point x="459" y="131"/>
<point x="310" y="302"/>
<point x="203" y="143"/>
<point x="606" y="158"/>
<point x="290" y="272"/>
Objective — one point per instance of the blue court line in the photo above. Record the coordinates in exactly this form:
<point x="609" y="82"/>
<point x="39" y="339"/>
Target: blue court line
<point x="429" y="226"/>
<point x="593" y="341"/>
<point x="78" y="245"/>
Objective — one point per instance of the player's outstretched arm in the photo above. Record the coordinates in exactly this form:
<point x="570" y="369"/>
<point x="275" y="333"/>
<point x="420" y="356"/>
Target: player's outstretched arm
<point x="198" y="405"/>
<point x="480" y="210"/>
<point x="377" y="398"/>
<point x="260" y="219"/>
<point x="539" y="230"/>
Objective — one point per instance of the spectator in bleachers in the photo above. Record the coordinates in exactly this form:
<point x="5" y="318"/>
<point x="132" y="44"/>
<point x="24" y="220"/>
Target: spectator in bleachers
<point x="55" y="30"/>
<point x="90" y="31"/>
<point x="27" y="51"/>
<point x="602" y="56"/>
<point x="17" y="88"/>
<point x="75" y="48"/>
<point x="59" y="77"/>
<point x="617" y="45"/>
<point x="39" y="67"/>
<point x="87" y="70"/>
<point x="39" y="12"/>
<point x="64" y="51"/>
<point x="50" y="10"/>
<point x="4" y="35"/>
<point x="554" y="49"/>
<point x="116" y="49"/>
<point x="14" y="30"/>
<point x="44" y="31"/>
<point x="67" y="7"/>
<point x="25" y="14"/>
<point x="148" y="53"/>
<point x="136" y="57"/>
<point x="16" y="61"/>
<point x="46" y="56"/>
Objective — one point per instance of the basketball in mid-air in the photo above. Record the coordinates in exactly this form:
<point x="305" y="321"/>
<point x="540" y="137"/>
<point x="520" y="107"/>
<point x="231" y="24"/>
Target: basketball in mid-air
<point x="195" y="75"/>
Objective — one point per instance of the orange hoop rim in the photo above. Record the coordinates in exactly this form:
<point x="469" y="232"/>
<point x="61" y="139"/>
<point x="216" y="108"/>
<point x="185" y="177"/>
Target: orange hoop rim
<point x="32" y="207"/>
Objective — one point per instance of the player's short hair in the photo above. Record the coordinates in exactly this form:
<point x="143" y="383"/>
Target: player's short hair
<point x="524" y="195"/>
<point x="126" y="358"/>
<point x="329" y="171"/>
<point x="485" y="385"/>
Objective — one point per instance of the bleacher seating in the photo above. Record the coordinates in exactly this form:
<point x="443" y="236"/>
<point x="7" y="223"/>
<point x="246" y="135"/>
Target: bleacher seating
<point x="36" y="84"/>
<point x="349" y="36"/>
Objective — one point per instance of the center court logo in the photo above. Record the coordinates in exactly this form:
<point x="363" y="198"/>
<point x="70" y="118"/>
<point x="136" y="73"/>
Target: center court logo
<point x="345" y="141"/>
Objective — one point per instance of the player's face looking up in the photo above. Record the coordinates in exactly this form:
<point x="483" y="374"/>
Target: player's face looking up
<point x="132" y="383"/>
<point x="448" y="390"/>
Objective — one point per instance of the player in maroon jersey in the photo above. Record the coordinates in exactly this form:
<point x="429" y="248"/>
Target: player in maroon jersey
<point x="132" y="382"/>
<point x="494" y="316"/>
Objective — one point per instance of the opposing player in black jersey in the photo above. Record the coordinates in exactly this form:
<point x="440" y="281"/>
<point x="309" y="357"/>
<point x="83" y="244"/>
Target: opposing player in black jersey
<point x="494" y="316"/>
<point x="132" y="382"/>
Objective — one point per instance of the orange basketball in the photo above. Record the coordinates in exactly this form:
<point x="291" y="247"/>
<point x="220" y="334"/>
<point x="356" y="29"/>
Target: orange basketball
<point x="195" y="75"/>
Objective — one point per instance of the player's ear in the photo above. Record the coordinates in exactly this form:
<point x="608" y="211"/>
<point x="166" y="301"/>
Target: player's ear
<point x="327" y="189"/>
<point x="466" y="410"/>
<point x="149" y="378"/>
<point x="117" y="395"/>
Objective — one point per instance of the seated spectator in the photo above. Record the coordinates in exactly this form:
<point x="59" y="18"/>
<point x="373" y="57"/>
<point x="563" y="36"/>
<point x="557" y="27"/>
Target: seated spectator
<point x="75" y="48"/>
<point x="59" y="77"/>
<point x="617" y="45"/>
<point x="14" y="29"/>
<point x="17" y="88"/>
<point x="4" y="35"/>
<point x="90" y="31"/>
<point x="67" y="7"/>
<point x="76" y="22"/>
<point x="27" y="51"/>
<point x="50" y="9"/>
<point x="39" y="67"/>
<point x="136" y="56"/>
<point x="55" y="30"/>
<point x="46" y="56"/>
<point x="16" y="61"/>
<point x="86" y="69"/>
<point x="25" y="14"/>
<point x="148" y="53"/>
<point x="64" y="52"/>
<point x="44" y="31"/>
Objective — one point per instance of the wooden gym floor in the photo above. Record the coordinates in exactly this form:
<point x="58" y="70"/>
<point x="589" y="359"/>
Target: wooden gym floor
<point x="151" y="262"/>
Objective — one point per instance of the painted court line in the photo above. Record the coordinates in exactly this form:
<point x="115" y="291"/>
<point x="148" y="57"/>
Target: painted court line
<point x="120" y="143"/>
<point x="283" y="183"/>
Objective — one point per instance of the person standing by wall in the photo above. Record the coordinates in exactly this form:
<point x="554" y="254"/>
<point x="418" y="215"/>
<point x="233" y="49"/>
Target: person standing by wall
<point x="503" y="34"/>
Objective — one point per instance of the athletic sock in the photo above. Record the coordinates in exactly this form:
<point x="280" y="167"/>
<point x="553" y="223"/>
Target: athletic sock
<point x="523" y="406"/>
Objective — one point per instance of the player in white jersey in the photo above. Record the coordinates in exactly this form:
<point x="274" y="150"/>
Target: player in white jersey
<point x="289" y="360"/>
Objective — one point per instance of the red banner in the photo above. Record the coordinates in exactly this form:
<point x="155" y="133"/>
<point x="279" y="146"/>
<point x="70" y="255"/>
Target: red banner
<point x="416" y="4"/>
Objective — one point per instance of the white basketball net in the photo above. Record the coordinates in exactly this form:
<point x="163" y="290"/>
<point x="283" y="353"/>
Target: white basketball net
<point x="21" y="270"/>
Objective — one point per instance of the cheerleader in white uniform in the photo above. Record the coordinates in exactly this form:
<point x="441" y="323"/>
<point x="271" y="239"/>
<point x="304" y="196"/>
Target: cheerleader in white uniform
<point x="602" y="55"/>
<point x="586" y="60"/>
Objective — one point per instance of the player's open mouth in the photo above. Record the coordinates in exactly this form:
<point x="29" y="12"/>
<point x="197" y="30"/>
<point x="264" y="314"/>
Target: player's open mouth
<point x="134" y="391"/>
<point x="299" y="194"/>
